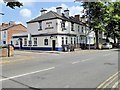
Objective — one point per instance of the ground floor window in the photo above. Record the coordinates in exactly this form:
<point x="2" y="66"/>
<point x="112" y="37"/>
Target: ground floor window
<point x="16" y="43"/>
<point x="45" y="41"/>
<point x="62" y="40"/>
<point x="25" y="42"/>
<point x="4" y="42"/>
<point x="35" y="41"/>
<point x="30" y="43"/>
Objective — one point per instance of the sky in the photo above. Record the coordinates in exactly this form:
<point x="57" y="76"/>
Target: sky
<point x="31" y="9"/>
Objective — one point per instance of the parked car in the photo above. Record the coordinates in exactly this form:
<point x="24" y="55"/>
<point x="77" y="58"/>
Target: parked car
<point x="107" y="46"/>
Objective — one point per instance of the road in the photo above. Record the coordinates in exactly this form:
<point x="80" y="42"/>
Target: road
<point x="84" y="69"/>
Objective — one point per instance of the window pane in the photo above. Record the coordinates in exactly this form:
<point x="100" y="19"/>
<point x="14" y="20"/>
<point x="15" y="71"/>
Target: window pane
<point x="62" y="40"/>
<point x="46" y="42"/>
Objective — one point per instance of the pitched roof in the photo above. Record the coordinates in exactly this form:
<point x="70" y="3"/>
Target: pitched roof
<point x="52" y="15"/>
<point x="10" y="26"/>
<point x="48" y="15"/>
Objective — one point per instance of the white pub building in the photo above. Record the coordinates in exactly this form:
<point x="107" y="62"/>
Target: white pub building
<point x="51" y="30"/>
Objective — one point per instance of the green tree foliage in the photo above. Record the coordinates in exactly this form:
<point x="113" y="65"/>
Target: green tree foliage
<point x="103" y="16"/>
<point x="13" y="3"/>
<point x="94" y="12"/>
<point x="112" y="20"/>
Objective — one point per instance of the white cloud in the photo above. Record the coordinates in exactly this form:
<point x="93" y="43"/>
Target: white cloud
<point x="25" y="13"/>
<point x="74" y="10"/>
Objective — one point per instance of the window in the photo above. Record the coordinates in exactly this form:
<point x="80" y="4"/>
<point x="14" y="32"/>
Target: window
<point x="4" y="42"/>
<point x="30" y="43"/>
<point x="66" y="40"/>
<point x="16" y="43"/>
<point x="4" y="34"/>
<point x="78" y="28"/>
<point x="35" y="41"/>
<point x="82" y="30"/>
<point x="72" y="26"/>
<point x="71" y="41"/>
<point x="40" y="26"/>
<point x="25" y="41"/>
<point x="62" y="40"/>
<point x="46" y="42"/>
<point x="63" y="25"/>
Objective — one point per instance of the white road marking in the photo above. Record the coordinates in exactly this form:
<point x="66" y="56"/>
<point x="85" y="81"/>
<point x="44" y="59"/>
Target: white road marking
<point x="27" y="74"/>
<point x="108" y="80"/>
<point x="116" y="84"/>
<point x="80" y="61"/>
<point x="107" y="54"/>
<point x="75" y="62"/>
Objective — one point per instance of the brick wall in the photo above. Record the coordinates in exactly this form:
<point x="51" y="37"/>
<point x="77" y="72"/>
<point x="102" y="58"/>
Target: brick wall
<point x="14" y="30"/>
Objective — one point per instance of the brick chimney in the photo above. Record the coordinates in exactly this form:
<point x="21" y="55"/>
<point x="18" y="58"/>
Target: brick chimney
<point x="12" y="23"/>
<point x="77" y="17"/>
<point x="5" y="25"/>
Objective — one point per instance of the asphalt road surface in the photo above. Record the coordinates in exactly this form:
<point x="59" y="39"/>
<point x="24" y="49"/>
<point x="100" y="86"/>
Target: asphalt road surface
<point x="82" y="69"/>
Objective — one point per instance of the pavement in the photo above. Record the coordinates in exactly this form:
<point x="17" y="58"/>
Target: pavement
<point x="20" y="55"/>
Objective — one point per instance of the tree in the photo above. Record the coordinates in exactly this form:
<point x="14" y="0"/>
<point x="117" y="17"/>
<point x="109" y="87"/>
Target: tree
<point x="94" y="13"/>
<point x="103" y="16"/>
<point x="112" y="19"/>
<point x="13" y="3"/>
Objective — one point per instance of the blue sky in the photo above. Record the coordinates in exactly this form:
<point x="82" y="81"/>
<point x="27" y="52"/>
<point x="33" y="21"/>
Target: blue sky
<point x="32" y="9"/>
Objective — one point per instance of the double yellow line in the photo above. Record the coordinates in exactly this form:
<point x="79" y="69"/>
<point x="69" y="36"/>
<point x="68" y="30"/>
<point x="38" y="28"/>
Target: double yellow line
<point x="106" y="83"/>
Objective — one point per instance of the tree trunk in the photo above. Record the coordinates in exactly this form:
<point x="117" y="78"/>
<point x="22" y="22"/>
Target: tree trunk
<point x="114" y="39"/>
<point x="97" y="39"/>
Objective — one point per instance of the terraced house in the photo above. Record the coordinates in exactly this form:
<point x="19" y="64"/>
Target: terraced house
<point x="51" y="30"/>
<point x="8" y="29"/>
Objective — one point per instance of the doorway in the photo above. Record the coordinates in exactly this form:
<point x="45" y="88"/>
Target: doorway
<point x="53" y="45"/>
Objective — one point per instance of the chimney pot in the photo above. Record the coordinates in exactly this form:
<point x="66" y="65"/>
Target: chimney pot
<point x="43" y="11"/>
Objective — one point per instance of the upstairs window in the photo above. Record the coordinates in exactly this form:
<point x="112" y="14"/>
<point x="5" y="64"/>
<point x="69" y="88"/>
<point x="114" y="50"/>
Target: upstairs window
<point x="78" y="28"/>
<point x="4" y="34"/>
<point x="40" y="26"/>
<point x="72" y="26"/>
<point x="82" y="29"/>
<point x="63" y="25"/>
